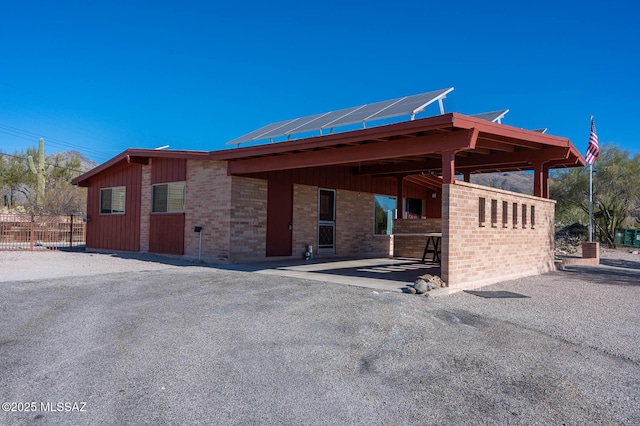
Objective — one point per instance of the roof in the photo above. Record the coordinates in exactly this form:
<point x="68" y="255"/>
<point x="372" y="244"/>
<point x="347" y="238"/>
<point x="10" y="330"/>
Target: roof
<point x="137" y="156"/>
<point x="410" y="147"/>
<point x="363" y="114"/>
<point x="405" y="148"/>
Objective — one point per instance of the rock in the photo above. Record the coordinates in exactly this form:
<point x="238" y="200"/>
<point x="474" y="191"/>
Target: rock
<point x="433" y="281"/>
<point x="410" y="290"/>
<point x="635" y="252"/>
<point x="421" y="286"/>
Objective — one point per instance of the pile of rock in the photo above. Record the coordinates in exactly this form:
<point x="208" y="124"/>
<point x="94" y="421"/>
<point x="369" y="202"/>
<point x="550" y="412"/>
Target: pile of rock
<point x="425" y="283"/>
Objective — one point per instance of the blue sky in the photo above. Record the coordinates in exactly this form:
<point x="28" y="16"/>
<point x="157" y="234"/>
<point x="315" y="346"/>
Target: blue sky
<point x="100" y="77"/>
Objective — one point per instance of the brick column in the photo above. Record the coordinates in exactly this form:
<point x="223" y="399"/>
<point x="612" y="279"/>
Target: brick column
<point x="145" y="207"/>
<point x="591" y="251"/>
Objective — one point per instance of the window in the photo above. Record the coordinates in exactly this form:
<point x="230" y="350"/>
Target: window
<point x="481" y="211"/>
<point x="112" y="200"/>
<point x="384" y="213"/>
<point x="515" y="215"/>
<point x="524" y="216"/>
<point x="533" y="216"/>
<point x="414" y="208"/>
<point x="494" y="212"/>
<point x="168" y="198"/>
<point x="505" y="214"/>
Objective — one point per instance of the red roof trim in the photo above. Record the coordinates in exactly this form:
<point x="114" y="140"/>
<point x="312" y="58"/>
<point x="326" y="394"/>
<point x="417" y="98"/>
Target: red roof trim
<point x="127" y="155"/>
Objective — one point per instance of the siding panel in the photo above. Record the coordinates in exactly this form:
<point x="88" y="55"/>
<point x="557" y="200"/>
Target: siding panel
<point x="115" y="232"/>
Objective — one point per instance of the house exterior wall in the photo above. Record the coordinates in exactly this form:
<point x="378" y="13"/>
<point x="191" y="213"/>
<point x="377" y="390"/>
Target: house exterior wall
<point x="166" y="230"/>
<point x="115" y="231"/>
<point x="145" y="206"/>
<point x="305" y="219"/>
<point x="476" y="254"/>
<point x="406" y="243"/>
<point x="354" y="227"/>
<point x="248" y="235"/>
<point x="208" y="204"/>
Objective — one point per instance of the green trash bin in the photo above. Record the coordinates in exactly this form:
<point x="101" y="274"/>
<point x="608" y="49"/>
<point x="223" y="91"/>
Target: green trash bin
<point x="619" y="239"/>
<point x="629" y="237"/>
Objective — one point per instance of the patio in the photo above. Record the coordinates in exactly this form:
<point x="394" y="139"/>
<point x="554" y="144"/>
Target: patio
<point x="375" y="273"/>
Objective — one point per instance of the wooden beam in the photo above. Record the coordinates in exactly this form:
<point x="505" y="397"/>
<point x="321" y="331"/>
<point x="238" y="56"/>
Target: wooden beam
<point x="137" y="160"/>
<point x="526" y="156"/>
<point x="375" y="151"/>
<point x="448" y="167"/>
<point x="407" y="168"/>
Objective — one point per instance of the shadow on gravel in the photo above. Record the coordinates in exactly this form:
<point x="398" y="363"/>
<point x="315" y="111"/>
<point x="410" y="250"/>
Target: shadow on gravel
<point x="605" y="275"/>
<point x="155" y="258"/>
<point x="618" y="263"/>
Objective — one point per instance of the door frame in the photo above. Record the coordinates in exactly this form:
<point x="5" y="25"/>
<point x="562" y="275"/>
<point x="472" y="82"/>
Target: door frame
<point x="325" y="223"/>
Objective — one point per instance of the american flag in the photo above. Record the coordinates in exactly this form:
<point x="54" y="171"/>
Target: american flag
<point x="592" y="150"/>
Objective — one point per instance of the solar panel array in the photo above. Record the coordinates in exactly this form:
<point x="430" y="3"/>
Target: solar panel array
<point x="492" y="116"/>
<point x="408" y="105"/>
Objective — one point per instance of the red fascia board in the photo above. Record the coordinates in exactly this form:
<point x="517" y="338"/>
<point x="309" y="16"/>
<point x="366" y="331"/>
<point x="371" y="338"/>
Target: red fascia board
<point x="137" y="156"/>
<point x="452" y="141"/>
<point x="484" y="126"/>
<point x="355" y="136"/>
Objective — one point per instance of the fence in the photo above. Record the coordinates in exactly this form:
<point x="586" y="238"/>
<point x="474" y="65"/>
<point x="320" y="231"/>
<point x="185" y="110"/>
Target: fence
<point x="40" y="232"/>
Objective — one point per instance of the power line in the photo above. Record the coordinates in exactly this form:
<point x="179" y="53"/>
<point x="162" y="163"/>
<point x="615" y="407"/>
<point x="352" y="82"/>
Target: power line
<point x="2" y="154"/>
<point x="28" y="135"/>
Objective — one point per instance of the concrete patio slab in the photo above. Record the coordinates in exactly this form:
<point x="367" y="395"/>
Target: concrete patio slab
<point x="378" y="273"/>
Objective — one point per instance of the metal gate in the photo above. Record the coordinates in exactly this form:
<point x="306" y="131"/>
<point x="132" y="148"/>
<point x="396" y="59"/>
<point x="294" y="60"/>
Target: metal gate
<point x="41" y="232"/>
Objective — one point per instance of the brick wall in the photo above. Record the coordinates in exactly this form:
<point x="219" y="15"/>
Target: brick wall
<point x="248" y="219"/>
<point x="305" y="219"/>
<point x="354" y="227"/>
<point x="208" y="204"/>
<point x="475" y="254"/>
<point x="412" y="245"/>
<point x="145" y="207"/>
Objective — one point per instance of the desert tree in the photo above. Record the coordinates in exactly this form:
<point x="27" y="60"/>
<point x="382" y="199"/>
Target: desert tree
<point x="616" y="193"/>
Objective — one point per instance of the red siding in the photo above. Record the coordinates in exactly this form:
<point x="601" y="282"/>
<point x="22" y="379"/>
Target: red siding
<point x="168" y="170"/>
<point x="115" y="231"/>
<point x="337" y="178"/>
<point x="166" y="233"/>
<point x="344" y="178"/>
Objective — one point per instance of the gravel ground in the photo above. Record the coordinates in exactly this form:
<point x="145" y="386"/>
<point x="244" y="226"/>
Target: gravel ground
<point x="173" y="343"/>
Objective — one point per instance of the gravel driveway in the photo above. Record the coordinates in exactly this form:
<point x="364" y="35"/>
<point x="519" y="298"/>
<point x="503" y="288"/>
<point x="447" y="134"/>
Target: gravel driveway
<point x="171" y="343"/>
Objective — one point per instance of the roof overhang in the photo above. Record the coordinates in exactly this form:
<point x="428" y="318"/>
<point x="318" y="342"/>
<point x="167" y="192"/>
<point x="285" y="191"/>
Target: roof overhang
<point x="412" y="147"/>
<point x="137" y="156"/>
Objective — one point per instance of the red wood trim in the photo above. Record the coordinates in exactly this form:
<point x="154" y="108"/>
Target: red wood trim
<point x="353" y="154"/>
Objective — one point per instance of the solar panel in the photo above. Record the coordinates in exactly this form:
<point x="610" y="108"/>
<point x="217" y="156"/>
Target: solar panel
<point x="325" y="121"/>
<point x="412" y="104"/>
<point x="292" y="126"/>
<point x="408" y="105"/>
<point x="492" y="116"/>
<point x="542" y="130"/>
<point x="257" y="134"/>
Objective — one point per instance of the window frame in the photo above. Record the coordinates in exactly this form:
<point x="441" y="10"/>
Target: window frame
<point x="168" y="203"/>
<point x="113" y="197"/>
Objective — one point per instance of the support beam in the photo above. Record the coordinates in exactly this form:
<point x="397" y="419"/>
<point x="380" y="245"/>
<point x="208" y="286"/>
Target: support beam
<point x="399" y="203"/>
<point x="375" y="151"/>
<point x="538" y="180"/>
<point x="545" y="180"/>
<point x="448" y="167"/>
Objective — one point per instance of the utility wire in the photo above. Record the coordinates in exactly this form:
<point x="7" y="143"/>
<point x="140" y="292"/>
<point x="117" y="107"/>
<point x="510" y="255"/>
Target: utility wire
<point x="28" y="135"/>
<point x="2" y="154"/>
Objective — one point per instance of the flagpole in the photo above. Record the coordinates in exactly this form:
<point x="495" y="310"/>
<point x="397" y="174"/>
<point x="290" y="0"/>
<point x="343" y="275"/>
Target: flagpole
<point x="591" y="202"/>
